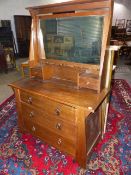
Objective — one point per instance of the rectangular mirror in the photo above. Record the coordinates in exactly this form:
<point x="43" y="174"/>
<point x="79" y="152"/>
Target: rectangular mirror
<point x="75" y="39"/>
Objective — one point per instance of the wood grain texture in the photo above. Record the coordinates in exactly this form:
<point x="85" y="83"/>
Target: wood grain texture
<point x="70" y="6"/>
<point x="50" y="137"/>
<point x="19" y="109"/>
<point x="50" y="107"/>
<point x="62" y="92"/>
<point x="54" y="123"/>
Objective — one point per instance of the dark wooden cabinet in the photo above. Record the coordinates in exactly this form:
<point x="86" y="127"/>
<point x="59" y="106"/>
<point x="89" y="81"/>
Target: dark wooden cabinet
<point x="23" y="30"/>
<point x="6" y="36"/>
<point x="8" y="46"/>
<point x="3" y="63"/>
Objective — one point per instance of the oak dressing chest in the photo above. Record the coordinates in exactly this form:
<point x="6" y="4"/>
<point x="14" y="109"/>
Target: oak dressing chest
<point x="65" y="100"/>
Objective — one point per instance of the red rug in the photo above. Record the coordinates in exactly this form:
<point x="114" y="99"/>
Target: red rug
<point x="23" y="154"/>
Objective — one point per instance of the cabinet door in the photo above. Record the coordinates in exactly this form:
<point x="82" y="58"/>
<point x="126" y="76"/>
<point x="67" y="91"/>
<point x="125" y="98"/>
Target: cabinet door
<point x="23" y="30"/>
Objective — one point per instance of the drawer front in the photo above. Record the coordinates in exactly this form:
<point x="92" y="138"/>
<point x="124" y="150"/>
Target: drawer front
<point x="50" y="122"/>
<point x="36" y="72"/>
<point x="50" y="107"/>
<point x="89" y="82"/>
<point x="50" y="137"/>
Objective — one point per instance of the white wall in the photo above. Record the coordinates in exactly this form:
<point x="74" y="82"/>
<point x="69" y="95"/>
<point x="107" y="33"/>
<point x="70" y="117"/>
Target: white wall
<point x="122" y="10"/>
<point x="9" y="8"/>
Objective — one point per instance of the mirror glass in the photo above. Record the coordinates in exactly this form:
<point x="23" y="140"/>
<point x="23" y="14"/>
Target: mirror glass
<point x="76" y="39"/>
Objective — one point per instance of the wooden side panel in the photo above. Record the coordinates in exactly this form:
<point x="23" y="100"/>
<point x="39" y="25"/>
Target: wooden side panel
<point x="105" y="45"/>
<point x="93" y="129"/>
<point x="81" y="148"/>
<point x="107" y="69"/>
<point x="34" y="55"/>
<point x="104" y="42"/>
<point x="19" y="109"/>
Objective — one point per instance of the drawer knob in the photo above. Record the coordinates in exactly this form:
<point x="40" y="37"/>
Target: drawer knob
<point x="59" y="141"/>
<point x="30" y="100"/>
<point x="58" y="126"/>
<point x="31" y="114"/>
<point x="57" y="111"/>
<point x="33" y="128"/>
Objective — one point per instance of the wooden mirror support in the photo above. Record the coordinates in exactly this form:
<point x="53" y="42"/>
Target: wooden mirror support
<point x="70" y="75"/>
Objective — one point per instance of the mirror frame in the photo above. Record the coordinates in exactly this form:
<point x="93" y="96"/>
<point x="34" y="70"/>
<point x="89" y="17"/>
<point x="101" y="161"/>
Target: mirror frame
<point x="69" y="9"/>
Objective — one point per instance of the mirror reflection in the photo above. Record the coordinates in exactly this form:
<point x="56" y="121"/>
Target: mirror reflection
<point x="76" y="39"/>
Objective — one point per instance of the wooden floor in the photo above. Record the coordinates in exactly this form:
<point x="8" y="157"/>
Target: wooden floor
<point x="6" y="78"/>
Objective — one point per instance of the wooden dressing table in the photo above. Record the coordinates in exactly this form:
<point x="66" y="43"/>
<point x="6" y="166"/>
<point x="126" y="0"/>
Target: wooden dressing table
<point x="65" y="100"/>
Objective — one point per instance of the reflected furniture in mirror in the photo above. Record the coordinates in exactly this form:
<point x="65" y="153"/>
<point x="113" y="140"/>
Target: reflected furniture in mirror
<point x="65" y="100"/>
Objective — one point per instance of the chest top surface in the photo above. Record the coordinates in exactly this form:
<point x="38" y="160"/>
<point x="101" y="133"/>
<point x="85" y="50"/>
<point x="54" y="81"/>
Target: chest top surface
<point x="63" y="93"/>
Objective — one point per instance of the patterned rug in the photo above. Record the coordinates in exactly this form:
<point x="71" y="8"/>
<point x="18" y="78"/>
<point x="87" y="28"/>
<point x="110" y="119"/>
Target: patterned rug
<point x="23" y="154"/>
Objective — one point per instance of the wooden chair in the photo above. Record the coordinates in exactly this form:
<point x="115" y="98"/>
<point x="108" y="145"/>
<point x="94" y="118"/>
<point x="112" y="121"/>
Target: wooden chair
<point x="10" y="57"/>
<point x="25" y="65"/>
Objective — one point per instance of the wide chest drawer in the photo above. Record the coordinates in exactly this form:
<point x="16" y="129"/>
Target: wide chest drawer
<point x="55" y="140"/>
<point x="49" y="106"/>
<point x="53" y="123"/>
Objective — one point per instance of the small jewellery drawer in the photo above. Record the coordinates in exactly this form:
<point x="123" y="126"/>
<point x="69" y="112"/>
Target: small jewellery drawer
<point x="50" y="137"/>
<point x="50" y="122"/>
<point x="91" y="83"/>
<point x="36" y="72"/>
<point x="50" y="106"/>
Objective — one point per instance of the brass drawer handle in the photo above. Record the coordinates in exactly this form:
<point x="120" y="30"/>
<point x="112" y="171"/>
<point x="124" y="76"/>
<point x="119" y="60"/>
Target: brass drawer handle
<point x="59" y="141"/>
<point x="58" y="126"/>
<point x="33" y="128"/>
<point x="57" y="111"/>
<point x="30" y="100"/>
<point x="31" y="114"/>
